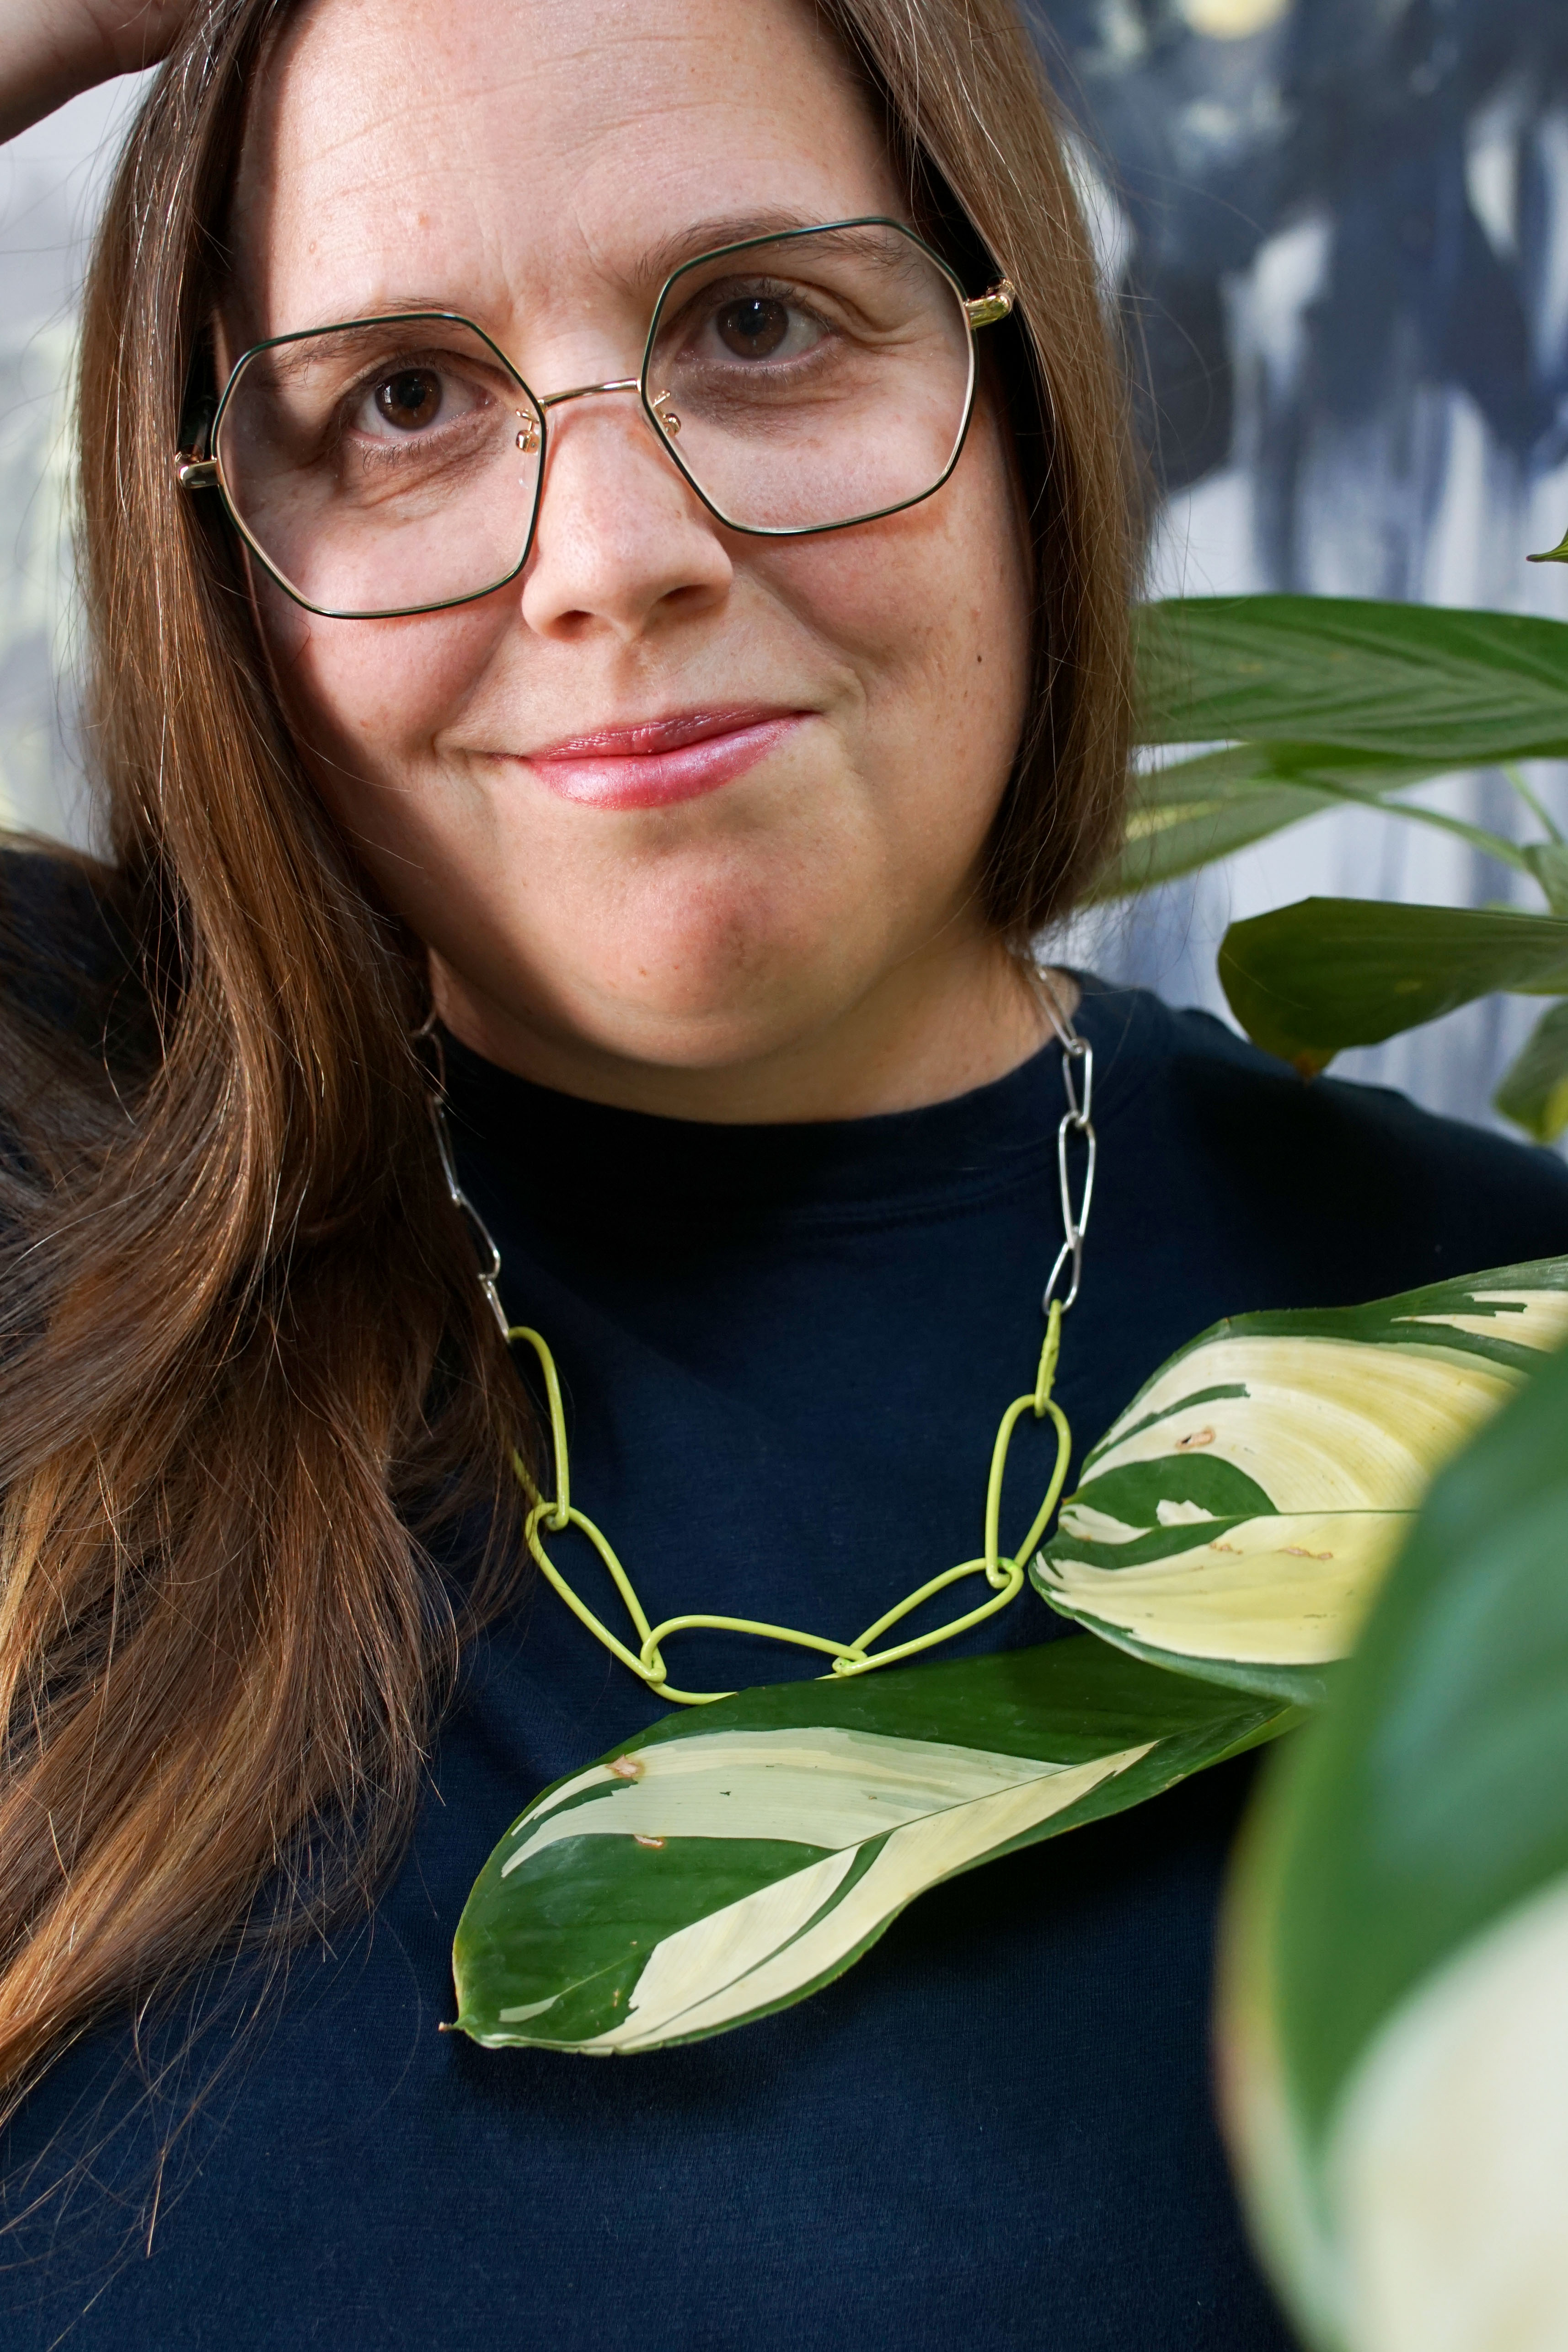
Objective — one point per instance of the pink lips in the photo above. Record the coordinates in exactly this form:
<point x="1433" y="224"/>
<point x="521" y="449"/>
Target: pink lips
<point x="663" y="762"/>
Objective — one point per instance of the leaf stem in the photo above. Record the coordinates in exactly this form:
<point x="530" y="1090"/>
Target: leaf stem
<point x="1495" y="845"/>
<point x="1527" y="793"/>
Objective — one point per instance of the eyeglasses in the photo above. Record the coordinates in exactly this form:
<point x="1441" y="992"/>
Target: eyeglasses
<point x="802" y="382"/>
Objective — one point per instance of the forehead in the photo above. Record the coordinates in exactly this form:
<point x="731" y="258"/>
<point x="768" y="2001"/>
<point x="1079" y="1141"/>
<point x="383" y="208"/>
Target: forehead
<point x="506" y="155"/>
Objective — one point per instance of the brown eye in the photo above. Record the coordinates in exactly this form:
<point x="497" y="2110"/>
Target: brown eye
<point x="755" y="328"/>
<point x="410" y="398"/>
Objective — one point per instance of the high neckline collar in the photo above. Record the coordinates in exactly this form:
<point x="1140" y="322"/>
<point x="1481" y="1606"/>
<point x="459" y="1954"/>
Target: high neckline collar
<point x="575" y="1153"/>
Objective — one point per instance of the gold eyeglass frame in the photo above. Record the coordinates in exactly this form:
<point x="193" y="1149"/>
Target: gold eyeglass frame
<point x="200" y="467"/>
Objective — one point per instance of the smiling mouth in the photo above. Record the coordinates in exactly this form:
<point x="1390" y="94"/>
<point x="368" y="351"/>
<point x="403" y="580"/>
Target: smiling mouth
<point x="662" y="760"/>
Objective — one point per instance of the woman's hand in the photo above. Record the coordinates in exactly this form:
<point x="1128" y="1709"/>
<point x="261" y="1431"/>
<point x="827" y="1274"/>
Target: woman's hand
<point x="50" y="49"/>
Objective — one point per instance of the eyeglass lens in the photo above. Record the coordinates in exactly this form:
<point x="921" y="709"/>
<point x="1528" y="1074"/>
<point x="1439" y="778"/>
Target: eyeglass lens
<point x="799" y="384"/>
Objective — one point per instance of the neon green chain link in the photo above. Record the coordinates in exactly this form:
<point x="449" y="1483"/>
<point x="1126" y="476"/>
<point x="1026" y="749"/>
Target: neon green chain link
<point x="1003" y="1572"/>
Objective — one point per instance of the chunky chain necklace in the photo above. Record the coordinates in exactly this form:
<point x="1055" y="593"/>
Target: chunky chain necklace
<point x="1002" y="1574"/>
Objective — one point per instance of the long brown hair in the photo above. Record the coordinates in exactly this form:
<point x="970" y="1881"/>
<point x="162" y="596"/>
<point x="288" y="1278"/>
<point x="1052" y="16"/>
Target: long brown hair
<point x="250" y="1397"/>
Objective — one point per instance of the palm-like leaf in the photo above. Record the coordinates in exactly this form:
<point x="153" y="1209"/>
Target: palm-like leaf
<point x="1190" y="812"/>
<point x="1404" y="681"/>
<point x="1307" y="981"/>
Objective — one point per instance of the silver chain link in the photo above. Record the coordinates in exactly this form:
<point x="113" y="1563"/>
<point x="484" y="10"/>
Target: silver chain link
<point x="1077" y="1121"/>
<point x="428" y="1037"/>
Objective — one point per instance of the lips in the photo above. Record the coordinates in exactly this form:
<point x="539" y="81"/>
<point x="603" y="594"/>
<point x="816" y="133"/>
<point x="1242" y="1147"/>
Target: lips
<point x="659" y="761"/>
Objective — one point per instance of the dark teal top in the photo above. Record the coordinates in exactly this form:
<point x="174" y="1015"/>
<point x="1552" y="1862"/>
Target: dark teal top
<point x="785" y="1353"/>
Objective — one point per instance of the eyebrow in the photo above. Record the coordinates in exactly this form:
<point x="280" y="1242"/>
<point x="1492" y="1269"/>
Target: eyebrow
<point x="658" y="263"/>
<point x="728" y="228"/>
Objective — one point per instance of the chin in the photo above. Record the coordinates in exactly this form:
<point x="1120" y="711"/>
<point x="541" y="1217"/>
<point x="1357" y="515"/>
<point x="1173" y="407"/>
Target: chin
<point x="730" y="956"/>
<point x="707" y="1010"/>
<point x="695" y="1029"/>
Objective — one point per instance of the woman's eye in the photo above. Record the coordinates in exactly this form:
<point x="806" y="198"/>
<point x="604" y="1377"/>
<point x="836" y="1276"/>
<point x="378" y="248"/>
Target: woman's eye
<point x="753" y="329"/>
<point x="763" y="323"/>
<point x="415" y="399"/>
<point x="409" y="399"/>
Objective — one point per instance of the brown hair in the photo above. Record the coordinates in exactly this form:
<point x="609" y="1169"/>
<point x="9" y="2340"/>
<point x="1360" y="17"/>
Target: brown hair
<point x="235" y="1448"/>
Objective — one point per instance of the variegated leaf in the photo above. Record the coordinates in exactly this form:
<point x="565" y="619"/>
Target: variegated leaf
<point x="733" y="1859"/>
<point x="1395" y="2016"/>
<point x="1237" y="1520"/>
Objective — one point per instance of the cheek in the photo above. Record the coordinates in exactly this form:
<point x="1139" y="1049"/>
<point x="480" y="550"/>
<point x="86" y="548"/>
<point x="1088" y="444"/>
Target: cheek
<point x="931" y="610"/>
<point x="365" y="698"/>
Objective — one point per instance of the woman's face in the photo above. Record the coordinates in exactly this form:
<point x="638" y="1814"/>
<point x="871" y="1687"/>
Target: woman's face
<point x="536" y="167"/>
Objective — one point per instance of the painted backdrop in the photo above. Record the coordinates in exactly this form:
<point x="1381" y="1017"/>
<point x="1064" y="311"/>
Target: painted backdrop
<point x="1338" y="231"/>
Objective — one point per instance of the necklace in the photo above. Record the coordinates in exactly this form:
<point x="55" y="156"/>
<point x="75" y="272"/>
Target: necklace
<point x="1003" y="1573"/>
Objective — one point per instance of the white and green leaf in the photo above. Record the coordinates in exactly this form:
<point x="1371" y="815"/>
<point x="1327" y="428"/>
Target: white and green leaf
<point x="728" y="1862"/>
<point x="1237" y="1519"/>
<point x="1394" y="2010"/>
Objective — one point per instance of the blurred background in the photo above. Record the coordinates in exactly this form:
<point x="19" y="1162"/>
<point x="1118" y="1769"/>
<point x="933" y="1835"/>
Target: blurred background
<point x="1338" y="230"/>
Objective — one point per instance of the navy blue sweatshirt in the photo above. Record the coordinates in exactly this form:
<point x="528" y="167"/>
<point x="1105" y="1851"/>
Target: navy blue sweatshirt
<point x="785" y="1352"/>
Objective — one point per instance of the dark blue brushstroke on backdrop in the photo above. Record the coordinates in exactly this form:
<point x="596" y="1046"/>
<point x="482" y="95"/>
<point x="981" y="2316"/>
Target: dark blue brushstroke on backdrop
<point x="1356" y="111"/>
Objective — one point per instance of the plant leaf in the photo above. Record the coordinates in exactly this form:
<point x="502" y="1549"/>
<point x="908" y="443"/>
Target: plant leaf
<point x="1558" y="555"/>
<point x="733" y="1859"/>
<point x="1189" y="813"/>
<point x="1307" y="981"/>
<point x="1534" y="1089"/>
<point x="1166" y="837"/>
<point x="1237" y="1518"/>
<point x="1412" y="681"/>
<point x="1395" y="2012"/>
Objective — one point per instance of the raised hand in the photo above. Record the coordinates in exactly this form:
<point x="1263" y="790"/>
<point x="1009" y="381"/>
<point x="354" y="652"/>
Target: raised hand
<point x="50" y="49"/>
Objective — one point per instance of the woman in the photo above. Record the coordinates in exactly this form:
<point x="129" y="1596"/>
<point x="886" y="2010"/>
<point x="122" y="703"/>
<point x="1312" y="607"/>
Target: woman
<point x="685" y="764"/>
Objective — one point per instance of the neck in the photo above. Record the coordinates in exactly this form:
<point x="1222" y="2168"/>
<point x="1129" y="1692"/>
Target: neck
<point x="925" y="1033"/>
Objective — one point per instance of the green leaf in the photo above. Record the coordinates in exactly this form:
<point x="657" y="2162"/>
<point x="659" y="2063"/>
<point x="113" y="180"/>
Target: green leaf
<point x="737" y="1857"/>
<point x="1191" y="811"/>
<point x="1395" y="2002"/>
<point x="1534" y="1090"/>
<point x="1166" y="837"/>
<point x="1188" y="813"/>
<point x="1411" y="681"/>
<point x="1237" y="1520"/>
<point x="1307" y="981"/>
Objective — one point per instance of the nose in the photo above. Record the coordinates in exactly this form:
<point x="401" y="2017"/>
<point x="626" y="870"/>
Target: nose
<point x="622" y="543"/>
